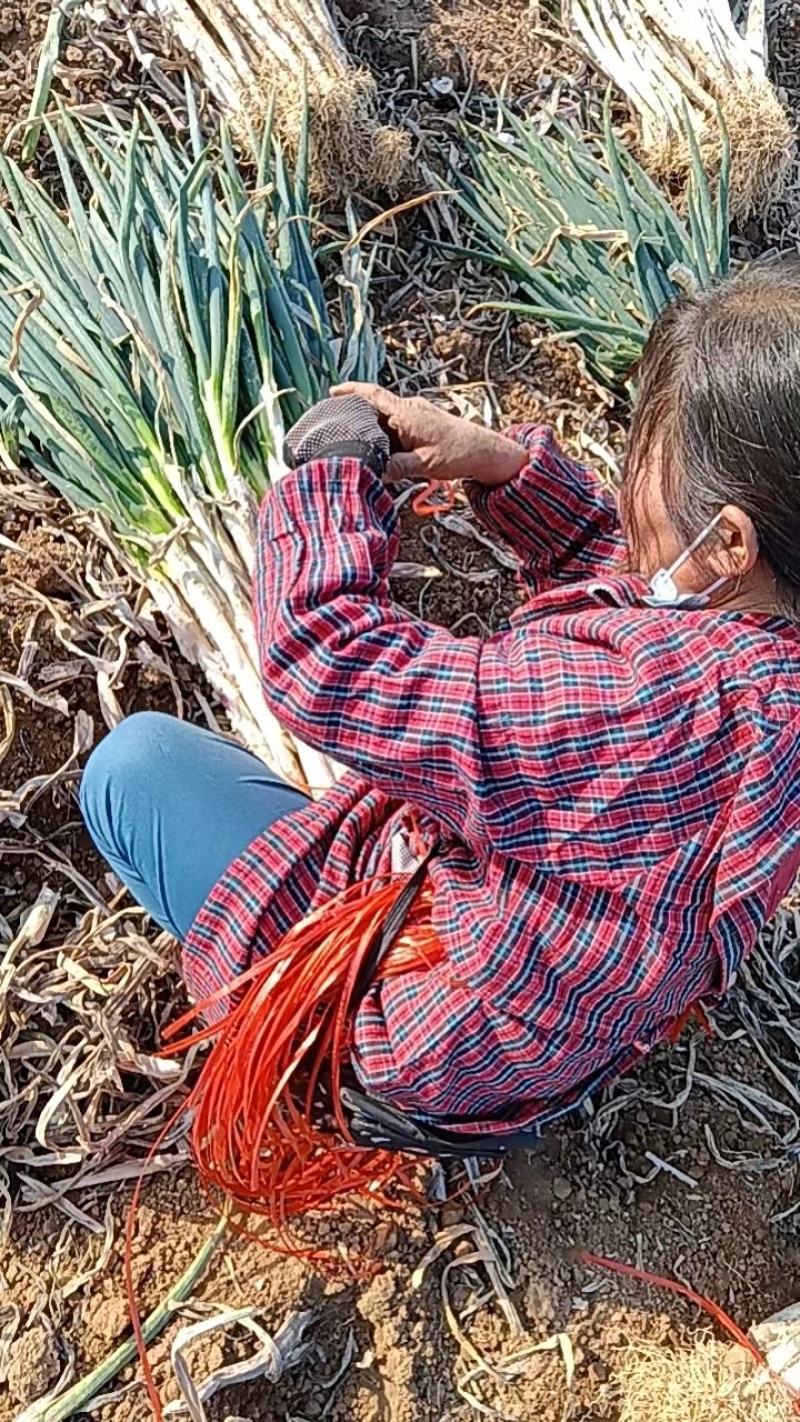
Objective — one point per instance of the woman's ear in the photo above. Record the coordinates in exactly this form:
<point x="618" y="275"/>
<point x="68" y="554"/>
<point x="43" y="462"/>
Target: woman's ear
<point x="734" y="552"/>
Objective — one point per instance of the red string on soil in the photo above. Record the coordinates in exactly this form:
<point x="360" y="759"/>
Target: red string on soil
<point x="130" y="1287"/>
<point x="694" y="1013"/>
<point x="434" y="498"/>
<point x="714" y="1310"/>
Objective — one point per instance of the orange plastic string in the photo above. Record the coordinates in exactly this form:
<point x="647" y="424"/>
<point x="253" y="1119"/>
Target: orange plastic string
<point x="434" y="497"/>
<point x="268" y="1128"/>
<point x="694" y="1013"/>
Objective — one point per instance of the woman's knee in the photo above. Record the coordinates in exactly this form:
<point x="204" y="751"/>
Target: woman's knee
<point x="125" y="768"/>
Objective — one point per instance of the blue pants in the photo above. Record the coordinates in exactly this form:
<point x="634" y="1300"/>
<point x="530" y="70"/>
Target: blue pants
<point x="170" y="806"/>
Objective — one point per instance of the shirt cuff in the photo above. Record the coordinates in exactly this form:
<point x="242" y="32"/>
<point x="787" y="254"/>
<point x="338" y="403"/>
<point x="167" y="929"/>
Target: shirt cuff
<point x="341" y="493"/>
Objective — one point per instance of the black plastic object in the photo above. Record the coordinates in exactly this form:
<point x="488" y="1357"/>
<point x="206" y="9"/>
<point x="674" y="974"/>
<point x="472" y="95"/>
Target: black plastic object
<point x="377" y="1126"/>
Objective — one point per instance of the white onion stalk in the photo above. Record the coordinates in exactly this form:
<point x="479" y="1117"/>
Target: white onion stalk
<point x="677" y="61"/>
<point x="158" y="339"/>
<point x="223" y="76"/>
<point x="262" y="59"/>
<point x="229" y="658"/>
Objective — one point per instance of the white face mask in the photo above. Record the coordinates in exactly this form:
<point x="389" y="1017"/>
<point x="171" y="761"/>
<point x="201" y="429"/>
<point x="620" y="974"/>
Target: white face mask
<point x="663" y="588"/>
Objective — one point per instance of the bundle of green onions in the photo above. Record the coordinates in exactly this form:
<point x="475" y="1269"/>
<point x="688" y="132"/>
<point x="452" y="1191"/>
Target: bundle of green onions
<point x="157" y="335"/>
<point x="590" y="240"/>
<point x="249" y="49"/>
<point x="666" y="54"/>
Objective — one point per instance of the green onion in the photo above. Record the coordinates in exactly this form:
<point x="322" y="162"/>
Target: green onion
<point x="48" y="59"/>
<point x="677" y="58"/>
<point x="158" y="337"/>
<point x="285" y="60"/>
<point x="593" y="245"/>
<point x="80" y="1395"/>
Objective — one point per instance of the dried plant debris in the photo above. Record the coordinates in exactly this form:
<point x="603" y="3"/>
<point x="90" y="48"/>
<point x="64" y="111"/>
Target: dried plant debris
<point x="707" y="1382"/>
<point x="74" y="1073"/>
<point x="276" y="1355"/>
<point x="85" y="982"/>
<point x="83" y="54"/>
<point x="749" y="1068"/>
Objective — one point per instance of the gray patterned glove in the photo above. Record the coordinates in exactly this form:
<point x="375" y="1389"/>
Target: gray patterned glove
<point x="346" y="427"/>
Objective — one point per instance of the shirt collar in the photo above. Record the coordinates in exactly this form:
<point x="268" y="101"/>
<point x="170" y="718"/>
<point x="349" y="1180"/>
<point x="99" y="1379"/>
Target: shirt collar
<point x="625" y="590"/>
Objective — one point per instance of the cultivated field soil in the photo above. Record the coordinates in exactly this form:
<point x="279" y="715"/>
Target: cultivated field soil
<point x="686" y="1170"/>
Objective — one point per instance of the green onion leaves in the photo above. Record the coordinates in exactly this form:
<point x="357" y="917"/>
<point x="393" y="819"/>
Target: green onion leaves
<point x="590" y="240"/>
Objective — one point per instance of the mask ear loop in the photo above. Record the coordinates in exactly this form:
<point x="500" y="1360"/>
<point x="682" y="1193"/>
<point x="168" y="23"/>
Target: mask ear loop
<point x="662" y="584"/>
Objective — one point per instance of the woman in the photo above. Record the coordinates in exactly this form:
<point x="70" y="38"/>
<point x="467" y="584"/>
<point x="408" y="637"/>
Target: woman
<point x="609" y="786"/>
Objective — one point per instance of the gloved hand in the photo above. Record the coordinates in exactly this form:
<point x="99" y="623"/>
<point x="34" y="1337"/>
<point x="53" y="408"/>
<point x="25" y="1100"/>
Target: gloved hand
<point x="347" y="427"/>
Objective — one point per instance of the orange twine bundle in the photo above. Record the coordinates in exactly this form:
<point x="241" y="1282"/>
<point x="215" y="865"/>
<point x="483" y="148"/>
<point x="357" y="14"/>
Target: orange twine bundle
<point x="268" y="1127"/>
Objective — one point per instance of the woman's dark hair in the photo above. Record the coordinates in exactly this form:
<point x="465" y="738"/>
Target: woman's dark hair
<point x="719" y="396"/>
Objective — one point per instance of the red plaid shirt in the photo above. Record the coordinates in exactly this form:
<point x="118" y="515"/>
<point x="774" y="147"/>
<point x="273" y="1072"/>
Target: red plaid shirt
<point x="615" y="789"/>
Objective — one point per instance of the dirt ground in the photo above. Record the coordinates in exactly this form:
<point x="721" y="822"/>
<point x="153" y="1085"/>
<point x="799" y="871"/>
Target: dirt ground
<point x="383" y="1345"/>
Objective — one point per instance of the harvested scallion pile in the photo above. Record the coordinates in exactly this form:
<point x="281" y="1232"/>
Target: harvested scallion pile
<point x="591" y="241"/>
<point x="157" y="336"/>
<point x="669" y="55"/>
<point x="289" y="53"/>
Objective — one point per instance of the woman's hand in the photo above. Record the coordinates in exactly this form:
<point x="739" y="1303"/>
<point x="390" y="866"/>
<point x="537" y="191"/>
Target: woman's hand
<point x="344" y="428"/>
<point x="436" y="445"/>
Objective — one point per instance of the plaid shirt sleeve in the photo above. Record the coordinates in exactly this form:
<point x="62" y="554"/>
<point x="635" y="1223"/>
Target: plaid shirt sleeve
<point x="556" y="514"/>
<point x="516" y="729"/>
